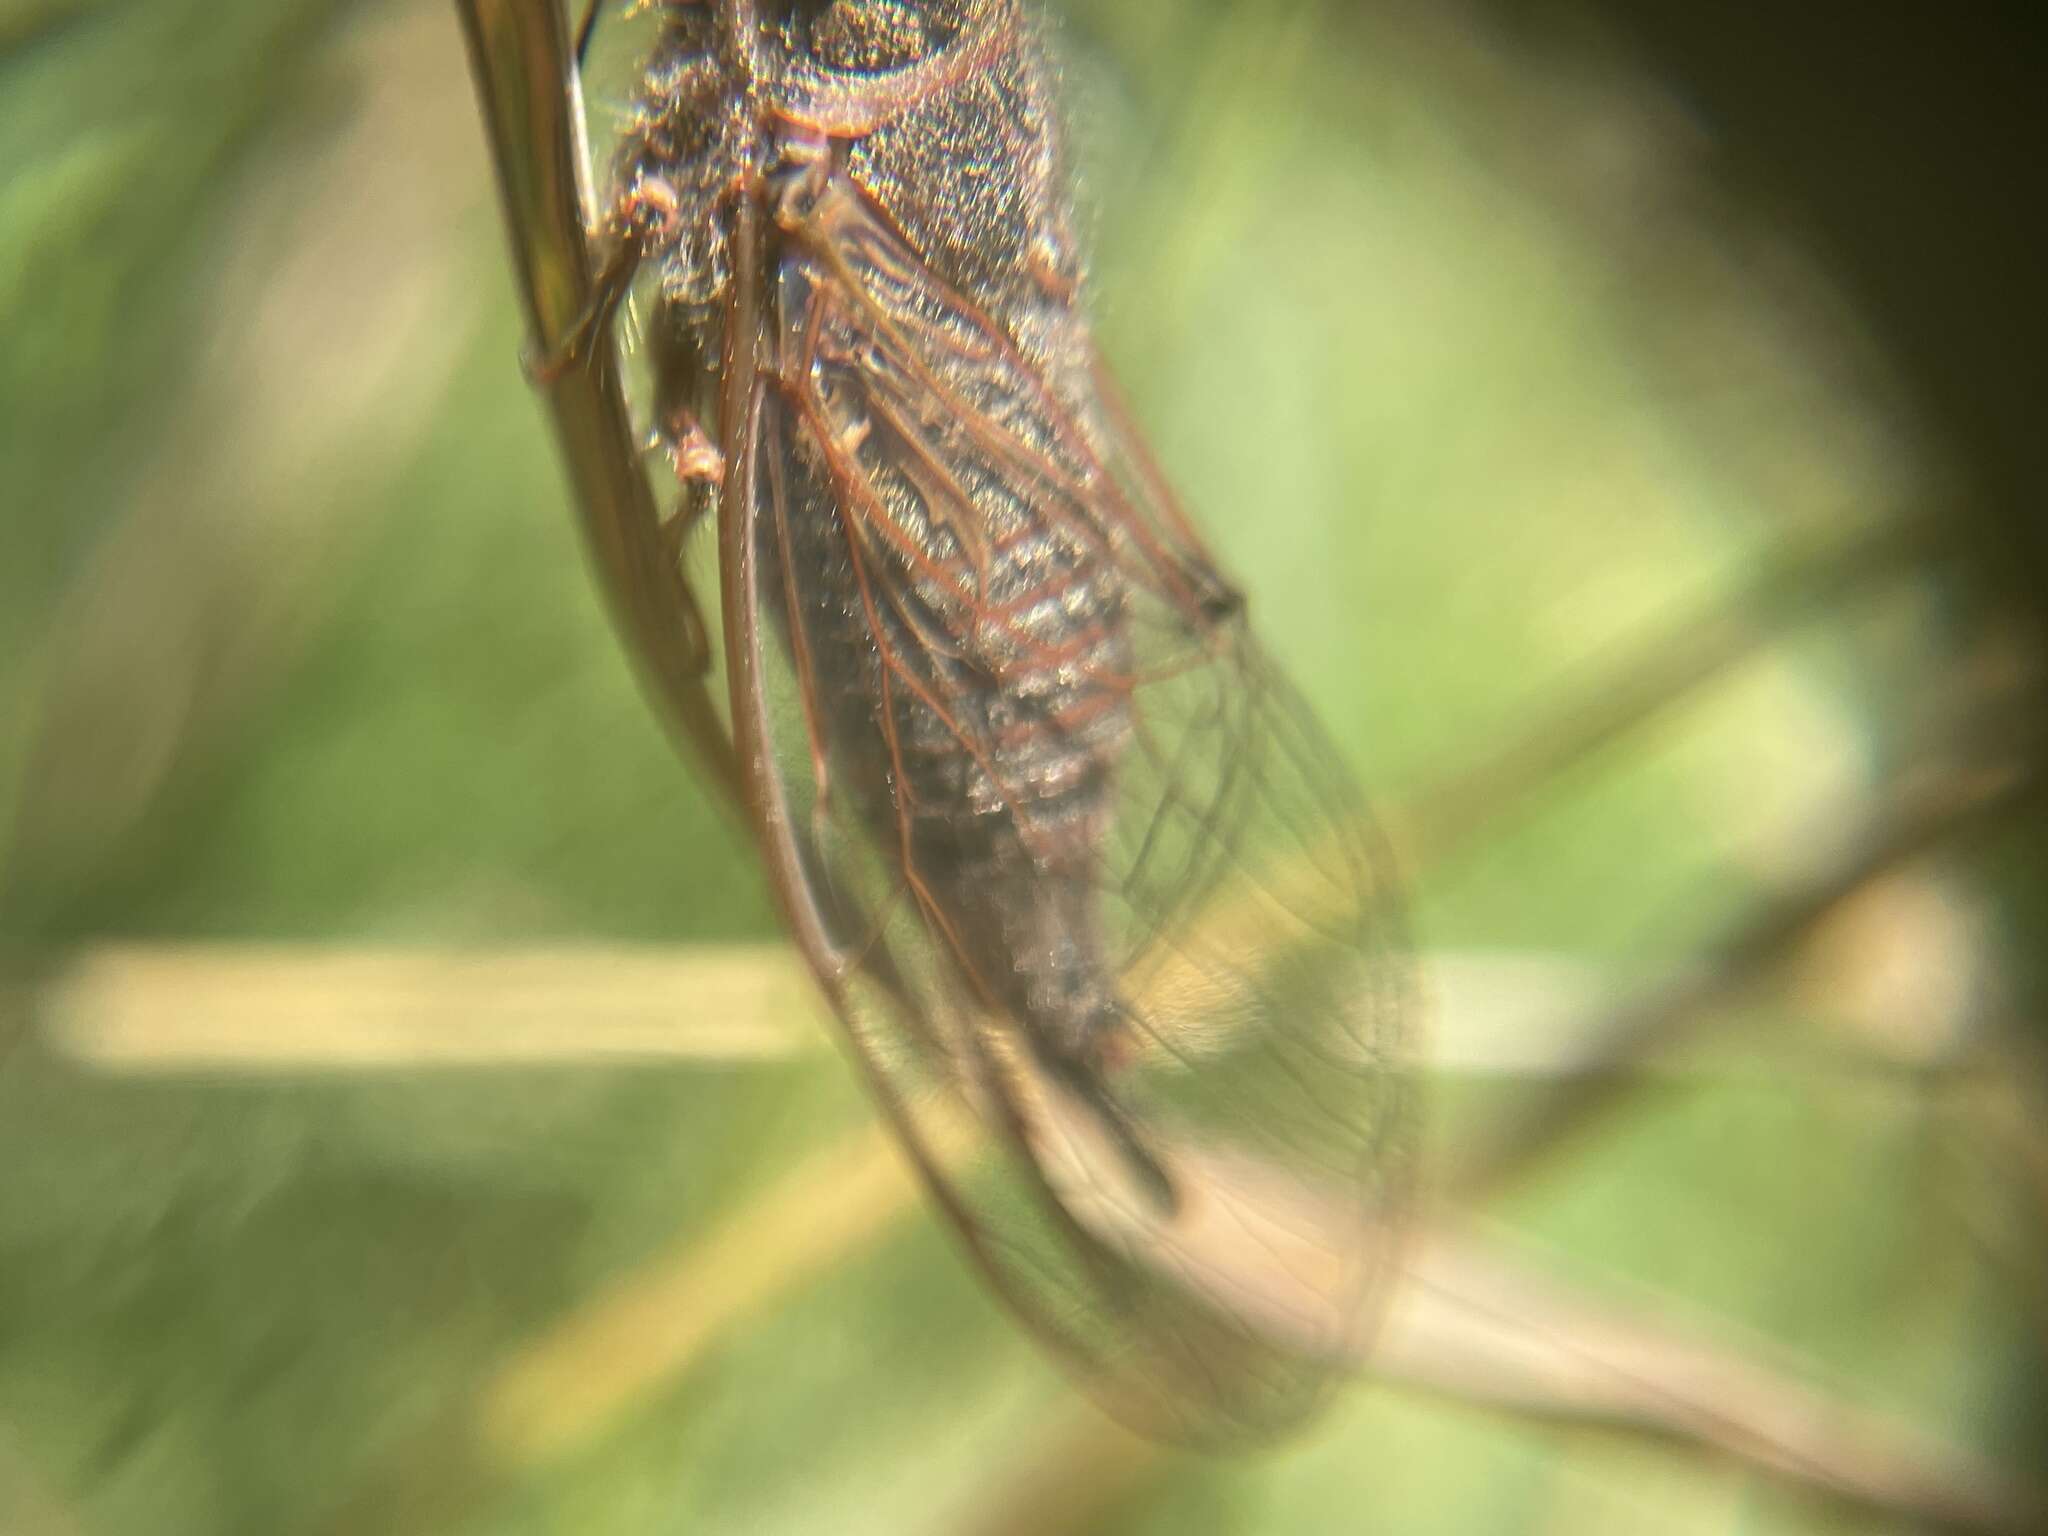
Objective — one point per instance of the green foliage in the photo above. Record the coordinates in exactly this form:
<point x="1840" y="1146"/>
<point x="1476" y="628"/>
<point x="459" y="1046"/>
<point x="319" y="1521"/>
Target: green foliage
<point x="296" y="642"/>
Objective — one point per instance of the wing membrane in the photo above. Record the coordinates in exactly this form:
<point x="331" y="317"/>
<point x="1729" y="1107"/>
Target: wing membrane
<point x="1110" y="929"/>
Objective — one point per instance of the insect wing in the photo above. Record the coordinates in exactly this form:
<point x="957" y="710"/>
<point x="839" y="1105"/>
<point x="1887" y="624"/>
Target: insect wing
<point x="991" y="615"/>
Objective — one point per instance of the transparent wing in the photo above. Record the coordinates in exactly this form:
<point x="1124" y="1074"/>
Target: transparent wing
<point x="1110" y="929"/>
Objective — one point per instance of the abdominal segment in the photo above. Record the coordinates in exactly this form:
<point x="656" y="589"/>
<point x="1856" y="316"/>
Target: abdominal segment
<point x="963" y="656"/>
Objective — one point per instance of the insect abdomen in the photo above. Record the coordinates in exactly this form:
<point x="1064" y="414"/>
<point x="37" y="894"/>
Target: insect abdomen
<point x="971" y="689"/>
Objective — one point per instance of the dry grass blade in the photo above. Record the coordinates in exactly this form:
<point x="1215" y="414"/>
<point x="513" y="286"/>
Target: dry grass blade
<point x="649" y="1331"/>
<point x="266" y="1009"/>
<point x="28" y="1506"/>
<point x="261" y="1010"/>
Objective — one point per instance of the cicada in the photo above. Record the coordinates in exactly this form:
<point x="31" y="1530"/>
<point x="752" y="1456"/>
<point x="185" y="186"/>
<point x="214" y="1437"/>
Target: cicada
<point x="1112" y="935"/>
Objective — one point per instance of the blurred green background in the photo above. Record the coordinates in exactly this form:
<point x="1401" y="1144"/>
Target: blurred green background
<point x="1492" y="393"/>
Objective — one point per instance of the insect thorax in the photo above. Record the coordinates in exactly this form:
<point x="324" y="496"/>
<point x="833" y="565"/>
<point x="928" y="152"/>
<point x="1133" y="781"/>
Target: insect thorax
<point x="972" y="174"/>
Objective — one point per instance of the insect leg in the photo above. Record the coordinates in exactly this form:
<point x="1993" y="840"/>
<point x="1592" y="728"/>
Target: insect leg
<point x="640" y="218"/>
<point x="691" y="453"/>
<point x="699" y="468"/>
<point x="574" y="348"/>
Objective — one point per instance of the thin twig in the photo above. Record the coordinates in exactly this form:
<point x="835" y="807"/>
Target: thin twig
<point x="1940" y="809"/>
<point x="519" y="55"/>
<point x="1658" y="675"/>
<point x="1480" y="1326"/>
<point x="1472" y="1322"/>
